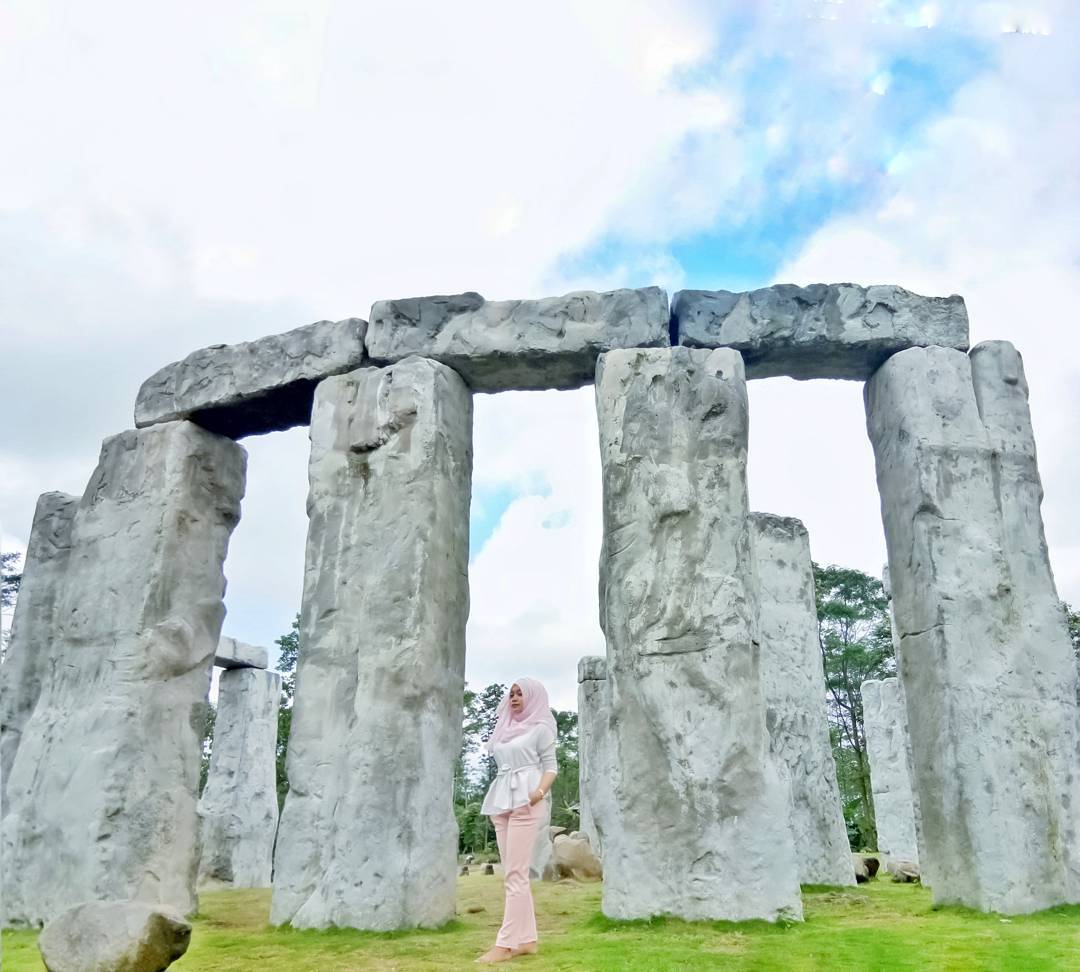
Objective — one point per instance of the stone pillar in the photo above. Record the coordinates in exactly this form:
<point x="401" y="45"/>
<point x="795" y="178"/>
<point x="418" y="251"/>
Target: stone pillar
<point x="700" y="824"/>
<point x="29" y="652"/>
<point x="920" y="847"/>
<point x="368" y="837"/>
<point x="238" y="811"/>
<point x="104" y="785"/>
<point x="793" y="680"/>
<point x="885" y="725"/>
<point x="990" y="695"/>
<point x="594" y="774"/>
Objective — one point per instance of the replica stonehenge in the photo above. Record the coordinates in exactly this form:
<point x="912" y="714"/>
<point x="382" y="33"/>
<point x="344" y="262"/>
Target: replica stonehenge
<point x="702" y="729"/>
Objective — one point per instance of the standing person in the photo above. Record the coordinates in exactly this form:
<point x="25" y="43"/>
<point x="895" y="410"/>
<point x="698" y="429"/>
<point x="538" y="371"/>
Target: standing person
<point x="519" y="804"/>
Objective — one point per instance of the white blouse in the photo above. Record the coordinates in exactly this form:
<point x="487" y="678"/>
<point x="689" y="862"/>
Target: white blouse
<point x="522" y="763"/>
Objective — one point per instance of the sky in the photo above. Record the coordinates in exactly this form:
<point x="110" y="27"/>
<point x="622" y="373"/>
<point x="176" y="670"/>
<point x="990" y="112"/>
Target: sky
<point x="179" y="175"/>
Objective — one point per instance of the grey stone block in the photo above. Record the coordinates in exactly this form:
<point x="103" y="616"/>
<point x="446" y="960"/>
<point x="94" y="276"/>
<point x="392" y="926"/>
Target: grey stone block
<point x="255" y="387"/>
<point x="368" y="837"/>
<point x="793" y="680"/>
<point x="700" y="825"/>
<point x="103" y="789"/>
<point x="238" y="654"/>
<point x="519" y="344"/>
<point x="821" y="331"/>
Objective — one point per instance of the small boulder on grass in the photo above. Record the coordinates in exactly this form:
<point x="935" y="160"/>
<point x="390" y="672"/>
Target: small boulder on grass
<point x="114" y="936"/>
<point x="865" y="867"/>
<point x="903" y="871"/>
<point x="576" y="859"/>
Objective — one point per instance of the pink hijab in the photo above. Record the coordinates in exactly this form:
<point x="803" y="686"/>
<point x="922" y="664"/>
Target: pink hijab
<point x="535" y="711"/>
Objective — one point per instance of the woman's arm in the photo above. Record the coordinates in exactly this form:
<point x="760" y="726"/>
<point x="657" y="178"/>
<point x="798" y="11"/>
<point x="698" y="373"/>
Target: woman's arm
<point x="550" y="766"/>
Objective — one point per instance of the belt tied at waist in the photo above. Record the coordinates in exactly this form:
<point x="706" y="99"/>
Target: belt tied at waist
<point x="513" y="774"/>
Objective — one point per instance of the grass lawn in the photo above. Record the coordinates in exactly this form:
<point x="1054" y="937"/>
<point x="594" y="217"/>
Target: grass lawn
<point x="876" y="926"/>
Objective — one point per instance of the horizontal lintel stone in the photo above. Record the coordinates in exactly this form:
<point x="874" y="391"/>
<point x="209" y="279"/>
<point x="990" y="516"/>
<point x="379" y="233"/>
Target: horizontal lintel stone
<point x="255" y="387"/>
<point x="821" y="331"/>
<point x="524" y="345"/>
<point x="236" y="654"/>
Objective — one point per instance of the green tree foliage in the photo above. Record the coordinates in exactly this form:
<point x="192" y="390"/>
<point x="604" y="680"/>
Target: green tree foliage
<point x="209" y="717"/>
<point x="856" y="644"/>
<point x="10" y="577"/>
<point x="289" y="646"/>
<point x="1073" y="619"/>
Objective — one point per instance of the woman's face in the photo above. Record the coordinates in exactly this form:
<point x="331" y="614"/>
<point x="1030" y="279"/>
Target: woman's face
<point x="517" y="700"/>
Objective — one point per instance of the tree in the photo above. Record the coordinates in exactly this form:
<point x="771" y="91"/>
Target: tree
<point x="10" y="577"/>
<point x="856" y="644"/>
<point x="565" y="795"/>
<point x="1072" y="618"/>
<point x="289" y="645"/>
<point x="208" y="720"/>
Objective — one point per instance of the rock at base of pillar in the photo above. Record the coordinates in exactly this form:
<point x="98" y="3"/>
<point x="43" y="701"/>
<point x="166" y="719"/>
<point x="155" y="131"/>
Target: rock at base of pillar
<point x="700" y="826"/>
<point x="29" y="652"/>
<point x="104" y="785"/>
<point x="793" y="680"/>
<point x="885" y="724"/>
<point x="991" y="700"/>
<point x="368" y="837"/>
<point x="238" y="811"/>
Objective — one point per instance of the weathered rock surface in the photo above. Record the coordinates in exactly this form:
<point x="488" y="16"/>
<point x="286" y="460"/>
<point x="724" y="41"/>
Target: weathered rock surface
<point x="519" y="344"/>
<point x="699" y="826"/>
<point x="575" y="858"/>
<point x="255" y="387"/>
<point x="793" y="681"/>
<point x="30" y="650"/>
<point x="594" y="774"/>
<point x="368" y="837"/>
<point x="102" y="792"/>
<point x="903" y="872"/>
<point x="820" y="331"/>
<point x="237" y="654"/>
<point x="991" y="700"/>
<point x="885" y="725"/>
<point x="114" y="936"/>
<point x="238" y="810"/>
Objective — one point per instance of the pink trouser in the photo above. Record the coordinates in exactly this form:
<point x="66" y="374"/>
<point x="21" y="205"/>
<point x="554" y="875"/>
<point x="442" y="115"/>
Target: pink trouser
<point x="516" y="834"/>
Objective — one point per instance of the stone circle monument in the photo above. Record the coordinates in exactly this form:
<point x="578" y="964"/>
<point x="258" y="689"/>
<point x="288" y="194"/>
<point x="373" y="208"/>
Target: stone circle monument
<point x="704" y="765"/>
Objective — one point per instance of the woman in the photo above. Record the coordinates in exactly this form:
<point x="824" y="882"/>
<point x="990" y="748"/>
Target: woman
<point x="518" y="802"/>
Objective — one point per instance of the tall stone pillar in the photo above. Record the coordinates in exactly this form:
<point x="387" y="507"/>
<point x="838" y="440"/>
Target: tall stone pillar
<point x="27" y="662"/>
<point x="238" y="811"/>
<point x="909" y="764"/>
<point x="990" y="696"/>
<point x="105" y="781"/>
<point x="885" y="724"/>
<point x="594" y="773"/>
<point x="700" y="824"/>
<point x="793" y="680"/>
<point x="367" y="836"/>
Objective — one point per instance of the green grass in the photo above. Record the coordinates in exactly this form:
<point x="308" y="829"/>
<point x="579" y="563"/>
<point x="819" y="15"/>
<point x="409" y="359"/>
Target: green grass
<point x="876" y="926"/>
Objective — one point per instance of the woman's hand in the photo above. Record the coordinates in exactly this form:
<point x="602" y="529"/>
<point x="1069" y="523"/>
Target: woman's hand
<point x="536" y="796"/>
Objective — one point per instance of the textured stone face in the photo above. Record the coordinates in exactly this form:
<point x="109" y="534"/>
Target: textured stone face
<point x="254" y="387"/>
<point x="885" y="724"/>
<point x="102" y="793"/>
<point x="699" y="827"/>
<point x="594" y="773"/>
<point x="368" y="836"/>
<point x="30" y="651"/>
<point x="237" y="654"/>
<point x="519" y="344"/>
<point x="991" y="697"/>
<point x="238" y="810"/>
<point x="793" y="681"/>
<point x="820" y="331"/>
<point x="114" y="936"/>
